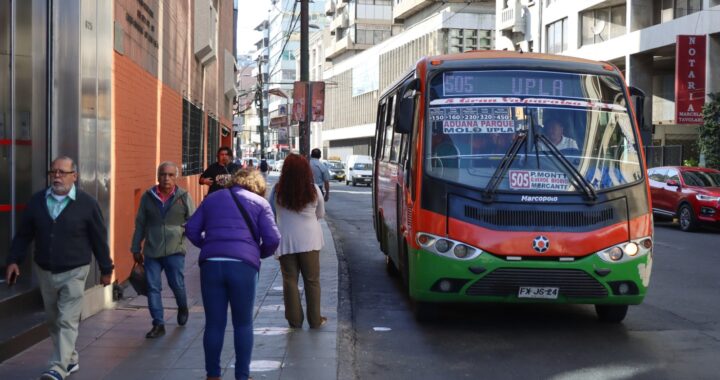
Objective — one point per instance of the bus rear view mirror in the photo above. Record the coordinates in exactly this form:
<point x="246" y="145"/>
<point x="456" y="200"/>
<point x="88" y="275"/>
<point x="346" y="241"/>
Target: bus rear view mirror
<point x="638" y="98"/>
<point x="405" y="112"/>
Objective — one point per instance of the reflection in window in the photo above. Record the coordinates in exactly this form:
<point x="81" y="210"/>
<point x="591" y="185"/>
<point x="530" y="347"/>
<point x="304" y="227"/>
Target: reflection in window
<point x="600" y="25"/>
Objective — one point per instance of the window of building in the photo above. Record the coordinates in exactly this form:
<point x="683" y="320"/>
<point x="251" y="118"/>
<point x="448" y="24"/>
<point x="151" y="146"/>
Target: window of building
<point x="374" y="9"/>
<point x="602" y="24"/>
<point x="461" y="40"/>
<point x="213" y="138"/>
<point x="368" y="36"/>
<point x="193" y="142"/>
<point x="668" y="10"/>
<point x="557" y="36"/>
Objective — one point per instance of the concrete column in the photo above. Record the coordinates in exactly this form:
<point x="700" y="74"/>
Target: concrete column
<point x="639" y="69"/>
<point x="712" y="64"/>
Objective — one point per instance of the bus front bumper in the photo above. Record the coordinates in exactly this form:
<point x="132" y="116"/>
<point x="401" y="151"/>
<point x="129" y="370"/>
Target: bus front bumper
<point x="489" y="278"/>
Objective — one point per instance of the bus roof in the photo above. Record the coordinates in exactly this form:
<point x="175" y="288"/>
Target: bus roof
<point x="504" y="54"/>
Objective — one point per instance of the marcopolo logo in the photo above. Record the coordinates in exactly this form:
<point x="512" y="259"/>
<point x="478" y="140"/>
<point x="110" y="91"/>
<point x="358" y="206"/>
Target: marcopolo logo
<point x="531" y="198"/>
<point x="541" y="244"/>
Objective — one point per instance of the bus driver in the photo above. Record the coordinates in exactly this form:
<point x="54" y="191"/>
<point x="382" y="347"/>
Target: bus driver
<point x="555" y="134"/>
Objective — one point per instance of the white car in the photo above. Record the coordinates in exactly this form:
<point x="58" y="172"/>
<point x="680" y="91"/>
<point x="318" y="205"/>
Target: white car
<point x="278" y="165"/>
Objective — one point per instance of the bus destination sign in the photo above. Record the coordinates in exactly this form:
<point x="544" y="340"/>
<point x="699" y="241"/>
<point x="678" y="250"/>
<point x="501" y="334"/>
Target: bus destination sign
<point x="516" y="83"/>
<point x="456" y="120"/>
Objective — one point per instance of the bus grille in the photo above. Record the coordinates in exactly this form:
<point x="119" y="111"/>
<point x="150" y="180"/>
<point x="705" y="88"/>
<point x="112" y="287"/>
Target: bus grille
<point x="539" y="218"/>
<point x="572" y="283"/>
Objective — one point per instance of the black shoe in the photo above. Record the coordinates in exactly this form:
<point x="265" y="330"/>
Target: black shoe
<point x="157" y="331"/>
<point x="182" y="316"/>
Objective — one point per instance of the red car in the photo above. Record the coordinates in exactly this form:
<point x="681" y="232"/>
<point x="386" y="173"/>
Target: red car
<point x="690" y="194"/>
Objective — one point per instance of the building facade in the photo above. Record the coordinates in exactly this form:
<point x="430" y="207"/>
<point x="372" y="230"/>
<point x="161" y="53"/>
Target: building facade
<point x="638" y="36"/>
<point x="359" y="72"/>
<point x="119" y="86"/>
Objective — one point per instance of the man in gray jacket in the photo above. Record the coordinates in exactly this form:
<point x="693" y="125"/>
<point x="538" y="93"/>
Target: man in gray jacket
<point x="163" y="211"/>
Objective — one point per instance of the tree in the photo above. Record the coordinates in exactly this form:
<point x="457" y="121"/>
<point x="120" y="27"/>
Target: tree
<point x="709" y="132"/>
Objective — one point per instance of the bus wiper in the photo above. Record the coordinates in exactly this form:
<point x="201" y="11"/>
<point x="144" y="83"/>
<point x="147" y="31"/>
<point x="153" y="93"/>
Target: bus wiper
<point x="583" y="183"/>
<point x="507" y="160"/>
<point x="534" y="135"/>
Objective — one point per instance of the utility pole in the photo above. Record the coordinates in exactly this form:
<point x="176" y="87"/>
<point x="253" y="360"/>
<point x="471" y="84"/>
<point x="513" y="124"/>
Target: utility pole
<point x="304" y="126"/>
<point x="259" y="99"/>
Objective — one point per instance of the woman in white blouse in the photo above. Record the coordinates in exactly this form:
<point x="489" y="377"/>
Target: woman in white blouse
<point x="299" y="206"/>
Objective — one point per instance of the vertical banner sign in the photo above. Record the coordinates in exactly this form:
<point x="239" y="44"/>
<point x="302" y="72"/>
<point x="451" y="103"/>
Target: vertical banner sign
<point x="689" y="79"/>
<point x="318" y="101"/>
<point x="298" y="107"/>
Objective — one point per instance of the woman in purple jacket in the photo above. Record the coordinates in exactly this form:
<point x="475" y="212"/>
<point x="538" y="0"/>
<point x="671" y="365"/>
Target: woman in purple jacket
<point x="239" y="229"/>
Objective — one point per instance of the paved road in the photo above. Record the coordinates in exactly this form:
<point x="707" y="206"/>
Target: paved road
<point x="675" y="334"/>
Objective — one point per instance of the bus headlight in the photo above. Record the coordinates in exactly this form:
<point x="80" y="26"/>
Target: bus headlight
<point x="447" y="247"/>
<point x="442" y="245"/>
<point x="627" y="251"/>
<point x="461" y="251"/>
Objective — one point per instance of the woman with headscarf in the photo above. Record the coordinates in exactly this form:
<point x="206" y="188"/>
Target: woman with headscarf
<point x="234" y="228"/>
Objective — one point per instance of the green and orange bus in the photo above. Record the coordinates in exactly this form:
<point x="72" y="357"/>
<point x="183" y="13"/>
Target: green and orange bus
<point x="513" y="177"/>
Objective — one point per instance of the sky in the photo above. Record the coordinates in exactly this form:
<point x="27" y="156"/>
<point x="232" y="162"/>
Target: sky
<point x="250" y="14"/>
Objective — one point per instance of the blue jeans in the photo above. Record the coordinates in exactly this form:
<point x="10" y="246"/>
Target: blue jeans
<point x="224" y="282"/>
<point x="173" y="266"/>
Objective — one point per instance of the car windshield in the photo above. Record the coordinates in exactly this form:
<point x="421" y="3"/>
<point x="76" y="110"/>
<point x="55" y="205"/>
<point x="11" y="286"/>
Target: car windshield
<point x="552" y="132"/>
<point x="701" y="178"/>
<point x="334" y="165"/>
<point x="362" y="166"/>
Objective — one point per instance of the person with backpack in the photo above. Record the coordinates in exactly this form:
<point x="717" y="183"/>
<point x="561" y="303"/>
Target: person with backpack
<point x="157" y="243"/>
<point x="264" y="168"/>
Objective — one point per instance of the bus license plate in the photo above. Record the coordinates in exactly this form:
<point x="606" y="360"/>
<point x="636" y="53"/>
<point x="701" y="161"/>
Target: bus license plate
<point x="538" y="292"/>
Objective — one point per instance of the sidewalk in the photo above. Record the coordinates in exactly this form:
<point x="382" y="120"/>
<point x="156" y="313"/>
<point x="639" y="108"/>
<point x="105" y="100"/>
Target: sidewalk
<point x="112" y="343"/>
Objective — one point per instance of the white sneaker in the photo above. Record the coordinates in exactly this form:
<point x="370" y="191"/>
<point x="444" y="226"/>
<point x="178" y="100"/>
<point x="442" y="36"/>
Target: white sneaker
<point x="73" y="367"/>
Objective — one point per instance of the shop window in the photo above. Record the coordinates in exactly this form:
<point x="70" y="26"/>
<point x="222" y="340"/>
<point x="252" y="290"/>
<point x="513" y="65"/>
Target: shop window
<point x="213" y="139"/>
<point x="193" y="141"/>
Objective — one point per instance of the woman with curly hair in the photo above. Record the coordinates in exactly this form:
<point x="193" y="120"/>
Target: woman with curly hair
<point x="299" y="206"/>
<point x="234" y="228"/>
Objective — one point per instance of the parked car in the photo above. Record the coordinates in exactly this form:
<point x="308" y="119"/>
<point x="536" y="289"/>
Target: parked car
<point x="359" y="170"/>
<point x="336" y="169"/>
<point x="278" y="165"/>
<point x="690" y="194"/>
<point x="245" y="161"/>
<point x="271" y="164"/>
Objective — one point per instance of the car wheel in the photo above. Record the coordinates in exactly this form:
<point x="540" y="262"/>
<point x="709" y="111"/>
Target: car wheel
<point x="354" y="183"/>
<point x="611" y="313"/>
<point x="390" y="267"/>
<point x="687" y="219"/>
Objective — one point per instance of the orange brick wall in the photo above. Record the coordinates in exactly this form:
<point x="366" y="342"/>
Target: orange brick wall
<point x="147" y="113"/>
<point x="136" y="144"/>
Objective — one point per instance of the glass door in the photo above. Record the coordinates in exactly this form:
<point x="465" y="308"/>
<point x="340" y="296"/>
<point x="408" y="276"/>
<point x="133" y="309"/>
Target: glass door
<point x="23" y="122"/>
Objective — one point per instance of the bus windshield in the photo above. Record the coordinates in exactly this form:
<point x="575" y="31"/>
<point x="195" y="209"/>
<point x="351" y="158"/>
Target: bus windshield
<point x="556" y="132"/>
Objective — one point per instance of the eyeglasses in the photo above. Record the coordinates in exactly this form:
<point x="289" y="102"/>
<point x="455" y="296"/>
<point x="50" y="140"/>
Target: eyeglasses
<point x="59" y="173"/>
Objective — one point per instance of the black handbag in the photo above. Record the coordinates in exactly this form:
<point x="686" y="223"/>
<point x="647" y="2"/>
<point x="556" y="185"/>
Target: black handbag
<point x="138" y="280"/>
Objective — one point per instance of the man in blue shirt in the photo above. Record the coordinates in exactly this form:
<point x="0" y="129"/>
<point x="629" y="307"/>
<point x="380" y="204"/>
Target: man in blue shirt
<point x="321" y="174"/>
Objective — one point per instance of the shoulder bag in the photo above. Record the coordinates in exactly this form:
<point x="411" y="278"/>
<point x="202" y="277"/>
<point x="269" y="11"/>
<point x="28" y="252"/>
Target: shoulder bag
<point x="246" y="217"/>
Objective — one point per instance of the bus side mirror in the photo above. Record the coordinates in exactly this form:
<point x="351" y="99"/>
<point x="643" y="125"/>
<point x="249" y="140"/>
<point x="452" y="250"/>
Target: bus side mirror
<point x="638" y="97"/>
<point x="405" y="112"/>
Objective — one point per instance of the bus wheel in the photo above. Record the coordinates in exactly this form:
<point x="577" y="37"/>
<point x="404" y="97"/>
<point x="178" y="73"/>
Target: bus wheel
<point x="390" y="267"/>
<point x="426" y="311"/>
<point x="611" y="313"/>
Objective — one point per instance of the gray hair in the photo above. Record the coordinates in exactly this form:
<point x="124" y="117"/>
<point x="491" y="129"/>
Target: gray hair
<point x="168" y="163"/>
<point x="66" y="158"/>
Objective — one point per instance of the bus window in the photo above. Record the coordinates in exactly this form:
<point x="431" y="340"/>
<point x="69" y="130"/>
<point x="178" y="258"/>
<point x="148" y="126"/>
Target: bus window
<point x="379" y="132"/>
<point x="388" y="129"/>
